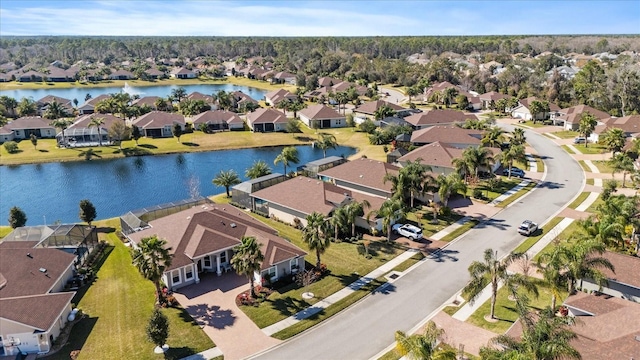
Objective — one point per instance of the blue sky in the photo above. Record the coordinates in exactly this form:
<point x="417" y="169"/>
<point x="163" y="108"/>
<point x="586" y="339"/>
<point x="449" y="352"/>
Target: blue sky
<point x="317" y="18"/>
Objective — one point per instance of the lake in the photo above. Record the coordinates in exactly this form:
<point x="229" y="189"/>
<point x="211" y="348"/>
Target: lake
<point x="52" y="191"/>
<point x="161" y="90"/>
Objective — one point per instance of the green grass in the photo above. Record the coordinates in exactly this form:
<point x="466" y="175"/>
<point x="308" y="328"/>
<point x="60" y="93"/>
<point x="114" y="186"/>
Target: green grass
<point x="390" y="355"/>
<point x="566" y="134"/>
<point x="539" y="163"/>
<point x="567" y="149"/>
<point x="517" y="195"/>
<point x="459" y="231"/>
<point x="584" y="166"/>
<point x="409" y="262"/>
<point x="530" y="123"/>
<point x="531" y="240"/>
<point x="342" y="260"/>
<point x="603" y="166"/>
<point x="118" y="306"/>
<point x="579" y="200"/>
<point x="593" y="208"/>
<point x="489" y="194"/>
<point x="450" y="310"/>
<point x="592" y="149"/>
<point x="505" y="309"/>
<point x="426" y="223"/>
<point x="5" y="230"/>
<point x="590" y="181"/>
<point x="564" y="237"/>
<point x="329" y="311"/>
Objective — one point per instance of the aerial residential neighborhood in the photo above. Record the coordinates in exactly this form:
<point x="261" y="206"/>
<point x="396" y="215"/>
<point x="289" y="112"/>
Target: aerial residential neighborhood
<point x="402" y="188"/>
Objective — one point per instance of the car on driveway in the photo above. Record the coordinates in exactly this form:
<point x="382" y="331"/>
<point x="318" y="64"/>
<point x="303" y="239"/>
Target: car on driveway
<point x="579" y="140"/>
<point x="527" y="228"/>
<point x="514" y="172"/>
<point x="408" y="231"/>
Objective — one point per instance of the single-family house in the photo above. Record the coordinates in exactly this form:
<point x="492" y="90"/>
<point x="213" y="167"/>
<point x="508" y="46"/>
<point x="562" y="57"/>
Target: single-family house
<point x="159" y="123"/>
<point x="241" y="193"/>
<point x="624" y="283"/>
<point x="202" y="239"/>
<point x="451" y="136"/>
<point x="149" y="101"/>
<point x="22" y="128"/>
<point x="89" y="106"/>
<point x="312" y="168"/>
<point x="629" y="124"/>
<point x="435" y="117"/>
<point x="567" y="72"/>
<point x="266" y="120"/>
<point x="56" y="74"/>
<point x="241" y="98"/>
<point x="272" y="98"/>
<point x="362" y="175"/>
<point x="183" y="73"/>
<point x="154" y="73"/>
<point x="218" y="120"/>
<point x="522" y="110"/>
<point x="44" y="103"/>
<point x="440" y="157"/>
<point x="321" y="116"/>
<point x="208" y="99"/>
<point x="327" y="81"/>
<point x="490" y="98"/>
<point x="472" y="97"/>
<point x="492" y="66"/>
<point x="82" y="133"/>
<point x="570" y="117"/>
<point x="293" y="200"/>
<point x="33" y="308"/>
<point x="284" y="77"/>
<point x="368" y="109"/>
<point x="30" y="76"/>
<point x="121" y="74"/>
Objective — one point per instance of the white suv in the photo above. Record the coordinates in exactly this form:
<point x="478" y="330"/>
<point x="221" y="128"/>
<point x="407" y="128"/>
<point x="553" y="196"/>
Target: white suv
<point x="408" y="230"/>
<point x="527" y="228"/>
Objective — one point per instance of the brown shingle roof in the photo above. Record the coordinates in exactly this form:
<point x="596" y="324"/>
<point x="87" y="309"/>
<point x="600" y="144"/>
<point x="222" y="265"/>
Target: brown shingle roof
<point x="446" y="135"/>
<point x="51" y="98"/>
<point x="370" y="107"/>
<point x="527" y="103"/>
<point x="85" y="120"/>
<point x="366" y="172"/>
<point x="29" y="122"/>
<point x="242" y="97"/>
<point x="147" y="100"/>
<point x="200" y="96"/>
<point x="438" y="117"/>
<point x="21" y="268"/>
<point x="216" y="117"/>
<point x="493" y="95"/>
<point x="434" y="154"/>
<point x="629" y="124"/>
<point x="573" y="114"/>
<point x="261" y="116"/>
<point x="627" y="268"/>
<point x="40" y="311"/>
<point x="158" y="119"/>
<point x="320" y="111"/>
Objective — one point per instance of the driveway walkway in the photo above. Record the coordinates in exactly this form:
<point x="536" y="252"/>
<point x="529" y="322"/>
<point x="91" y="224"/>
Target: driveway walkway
<point x="212" y="303"/>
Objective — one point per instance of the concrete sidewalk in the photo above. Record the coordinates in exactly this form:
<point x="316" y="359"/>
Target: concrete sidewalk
<point x="205" y="355"/>
<point x="451" y="228"/>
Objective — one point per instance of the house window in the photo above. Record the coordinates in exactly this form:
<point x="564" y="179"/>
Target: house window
<point x="293" y="264"/>
<point x="338" y="122"/>
<point x="175" y="277"/>
<point x="223" y="257"/>
<point x="272" y="272"/>
<point x="189" y="273"/>
<point x="207" y="261"/>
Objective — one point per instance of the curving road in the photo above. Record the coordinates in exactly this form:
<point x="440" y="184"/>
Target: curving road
<point x="367" y="328"/>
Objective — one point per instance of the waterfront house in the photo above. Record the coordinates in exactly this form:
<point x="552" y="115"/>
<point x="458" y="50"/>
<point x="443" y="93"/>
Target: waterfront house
<point x="121" y="74"/>
<point x="202" y="239"/>
<point x="183" y="73"/>
<point x="321" y="116"/>
<point x="218" y="120"/>
<point x="266" y="120"/>
<point x="22" y="128"/>
<point x="241" y="193"/>
<point x="274" y="97"/>
<point x="159" y="123"/>
<point x="43" y="104"/>
<point x="89" y="106"/>
<point x="82" y="133"/>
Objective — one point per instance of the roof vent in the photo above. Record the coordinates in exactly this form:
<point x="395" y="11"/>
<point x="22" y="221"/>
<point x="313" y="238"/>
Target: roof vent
<point x="43" y="270"/>
<point x="223" y="224"/>
<point x="188" y="217"/>
<point x="233" y="225"/>
<point x="361" y="176"/>
<point x="29" y="256"/>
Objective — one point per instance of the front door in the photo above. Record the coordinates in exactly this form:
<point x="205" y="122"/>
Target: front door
<point x="326" y="123"/>
<point x="199" y="265"/>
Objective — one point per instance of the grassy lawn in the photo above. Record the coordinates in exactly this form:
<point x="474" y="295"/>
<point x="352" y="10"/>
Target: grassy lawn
<point x="489" y="194"/>
<point x="603" y="166"/>
<point x="4" y="231"/>
<point x="567" y="149"/>
<point x="517" y="195"/>
<point x="564" y="237"/>
<point x="584" y="166"/>
<point x="591" y="149"/>
<point x="329" y="311"/>
<point x="566" y="134"/>
<point x="459" y="231"/>
<point x="531" y="240"/>
<point x="539" y="163"/>
<point x="590" y="181"/>
<point x="505" y="309"/>
<point x="342" y="260"/>
<point x="530" y="123"/>
<point x="426" y="223"/>
<point x="118" y="305"/>
<point x="595" y="205"/>
<point x="579" y="200"/>
<point x="409" y="262"/>
<point x="197" y="141"/>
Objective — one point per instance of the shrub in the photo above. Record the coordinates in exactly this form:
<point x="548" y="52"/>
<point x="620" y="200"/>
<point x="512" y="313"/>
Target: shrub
<point x="11" y="147"/>
<point x="477" y="193"/>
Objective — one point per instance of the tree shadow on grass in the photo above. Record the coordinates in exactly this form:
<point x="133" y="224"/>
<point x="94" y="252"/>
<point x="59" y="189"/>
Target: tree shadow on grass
<point x="43" y="151"/>
<point x="76" y="340"/>
<point x="192" y="144"/>
<point x="148" y="146"/>
<point x="287" y="306"/>
<point x="136" y="151"/>
<point x="175" y="353"/>
<point x="304" y="138"/>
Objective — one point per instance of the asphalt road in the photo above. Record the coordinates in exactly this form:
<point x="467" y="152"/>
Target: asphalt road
<point x="368" y="327"/>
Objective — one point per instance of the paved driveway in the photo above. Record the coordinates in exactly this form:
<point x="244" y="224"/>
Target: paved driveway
<point x="212" y="304"/>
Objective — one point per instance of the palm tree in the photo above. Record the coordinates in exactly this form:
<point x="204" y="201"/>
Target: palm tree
<point x="449" y="185"/>
<point x="247" y="259"/>
<point x="289" y="155"/>
<point x="582" y="261"/>
<point x="621" y="162"/>
<point x="614" y="139"/>
<point x="587" y="124"/>
<point x="152" y="257"/>
<point x="326" y="141"/>
<point x="417" y="178"/>
<point x="352" y="211"/>
<point x="55" y="111"/>
<point x="383" y="112"/>
<point x="448" y="95"/>
<point x="496" y="270"/>
<point x="315" y="235"/>
<point x="423" y="346"/>
<point x="226" y="179"/>
<point x="390" y="210"/>
<point x="477" y="157"/>
<point x="514" y="153"/>
<point x="62" y="124"/>
<point x="339" y="220"/>
<point x="494" y="137"/>
<point x="258" y="169"/>
<point x="518" y="137"/>
<point x="552" y="266"/>
<point x="178" y="93"/>
<point x="399" y="183"/>
<point x="97" y="122"/>
<point x="412" y="91"/>
<point x="536" y="108"/>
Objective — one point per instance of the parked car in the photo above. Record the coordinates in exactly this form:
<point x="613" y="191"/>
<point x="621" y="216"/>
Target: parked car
<point x="514" y="172"/>
<point x="580" y="140"/>
<point x="408" y="230"/>
<point x="527" y="228"/>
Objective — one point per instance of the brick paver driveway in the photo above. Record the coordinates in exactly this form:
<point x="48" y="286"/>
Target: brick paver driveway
<point x="212" y="304"/>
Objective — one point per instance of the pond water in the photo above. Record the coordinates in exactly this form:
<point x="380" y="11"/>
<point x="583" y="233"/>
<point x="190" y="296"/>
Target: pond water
<point x="161" y="90"/>
<point x="52" y="191"/>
